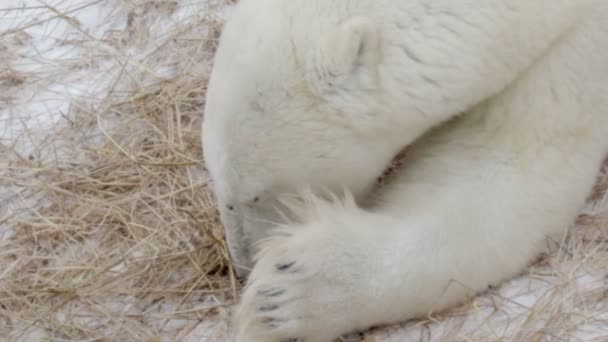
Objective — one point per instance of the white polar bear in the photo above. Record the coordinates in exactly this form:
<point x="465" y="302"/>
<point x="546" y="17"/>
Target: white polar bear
<point x="322" y="94"/>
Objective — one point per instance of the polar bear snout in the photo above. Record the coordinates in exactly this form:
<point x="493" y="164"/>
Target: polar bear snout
<point x="236" y="242"/>
<point x="236" y="239"/>
<point x="246" y="225"/>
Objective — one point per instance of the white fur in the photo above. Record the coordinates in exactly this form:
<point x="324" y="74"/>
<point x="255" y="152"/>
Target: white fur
<point x="323" y="94"/>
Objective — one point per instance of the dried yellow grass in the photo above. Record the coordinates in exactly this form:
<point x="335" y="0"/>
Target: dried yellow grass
<point x="113" y="232"/>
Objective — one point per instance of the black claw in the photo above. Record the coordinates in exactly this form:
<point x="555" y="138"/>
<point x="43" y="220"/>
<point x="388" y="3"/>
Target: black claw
<point x="293" y="340"/>
<point x="272" y="323"/>
<point x="268" y="308"/>
<point x="285" y="267"/>
<point x="267" y="320"/>
<point x="271" y="292"/>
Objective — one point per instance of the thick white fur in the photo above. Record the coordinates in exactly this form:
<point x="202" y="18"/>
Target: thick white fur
<point x="324" y="93"/>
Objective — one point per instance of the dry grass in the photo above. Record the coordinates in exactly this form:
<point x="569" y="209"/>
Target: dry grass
<point x="113" y="233"/>
<point x="130" y="221"/>
<point x="108" y="230"/>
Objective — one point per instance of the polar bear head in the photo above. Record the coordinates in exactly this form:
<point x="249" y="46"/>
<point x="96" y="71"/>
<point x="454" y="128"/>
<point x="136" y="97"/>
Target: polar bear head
<point x="291" y="104"/>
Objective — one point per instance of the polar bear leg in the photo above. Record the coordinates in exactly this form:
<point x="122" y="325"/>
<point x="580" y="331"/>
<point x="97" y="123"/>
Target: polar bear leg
<point x="473" y="206"/>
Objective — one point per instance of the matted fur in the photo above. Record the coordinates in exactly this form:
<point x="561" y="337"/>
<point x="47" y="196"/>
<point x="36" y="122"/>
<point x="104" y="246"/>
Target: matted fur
<point x="134" y="150"/>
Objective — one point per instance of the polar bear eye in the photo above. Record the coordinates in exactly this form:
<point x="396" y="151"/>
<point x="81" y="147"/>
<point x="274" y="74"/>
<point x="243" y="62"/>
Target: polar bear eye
<point x="230" y="207"/>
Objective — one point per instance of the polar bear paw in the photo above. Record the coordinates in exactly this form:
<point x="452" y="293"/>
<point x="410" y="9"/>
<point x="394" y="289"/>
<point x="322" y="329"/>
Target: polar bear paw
<point x="303" y="289"/>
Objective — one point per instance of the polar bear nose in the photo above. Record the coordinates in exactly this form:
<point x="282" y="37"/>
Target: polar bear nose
<point x="236" y="240"/>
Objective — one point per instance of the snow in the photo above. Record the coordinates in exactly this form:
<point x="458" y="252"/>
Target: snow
<point x="51" y="56"/>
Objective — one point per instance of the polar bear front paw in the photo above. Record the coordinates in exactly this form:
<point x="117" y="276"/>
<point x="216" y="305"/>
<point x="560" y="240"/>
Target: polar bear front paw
<point x="303" y="289"/>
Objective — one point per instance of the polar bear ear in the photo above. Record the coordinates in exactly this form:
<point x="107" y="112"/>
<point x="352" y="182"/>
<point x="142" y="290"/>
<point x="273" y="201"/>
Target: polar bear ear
<point x="348" y="54"/>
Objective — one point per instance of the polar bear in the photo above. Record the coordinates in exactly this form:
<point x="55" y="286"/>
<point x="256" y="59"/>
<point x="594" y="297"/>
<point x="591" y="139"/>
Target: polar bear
<point x="501" y="104"/>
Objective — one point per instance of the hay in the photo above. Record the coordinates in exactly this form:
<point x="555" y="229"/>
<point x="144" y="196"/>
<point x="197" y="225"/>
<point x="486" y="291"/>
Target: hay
<point x="107" y="228"/>
<point x="111" y="231"/>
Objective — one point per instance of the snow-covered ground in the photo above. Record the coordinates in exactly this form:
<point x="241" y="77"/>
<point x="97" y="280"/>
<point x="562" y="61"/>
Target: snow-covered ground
<point x="61" y="59"/>
<point x="57" y="53"/>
